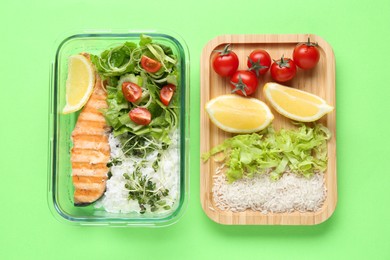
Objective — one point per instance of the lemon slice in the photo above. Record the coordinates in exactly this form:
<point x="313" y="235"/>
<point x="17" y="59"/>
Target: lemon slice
<point x="295" y="104"/>
<point x="79" y="84"/>
<point x="236" y="114"/>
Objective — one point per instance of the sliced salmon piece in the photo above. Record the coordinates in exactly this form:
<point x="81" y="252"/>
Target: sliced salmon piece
<point x="91" y="151"/>
<point x="88" y="182"/>
<point x="91" y="116"/>
<point x="82" y="144"/>
<point x="90" y="172"/>
<point x="89" y="155"/>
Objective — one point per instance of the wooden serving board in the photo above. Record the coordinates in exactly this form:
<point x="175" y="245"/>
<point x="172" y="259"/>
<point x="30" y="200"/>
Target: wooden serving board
<point x="320" y="81"/>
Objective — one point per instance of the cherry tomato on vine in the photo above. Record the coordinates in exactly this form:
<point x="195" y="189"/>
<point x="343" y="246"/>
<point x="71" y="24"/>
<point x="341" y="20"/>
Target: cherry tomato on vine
<point x="306" y="55"/>
<point x="149" y="64"/>
<point x="225" y="63"/>
<point x="140" y="116"/>
<point x="166" y="93"/>
<point x="131" y="91"/>
<point x="259" y="61"/>
<point x="283" y="70"/>
<point x="244" y="82"/>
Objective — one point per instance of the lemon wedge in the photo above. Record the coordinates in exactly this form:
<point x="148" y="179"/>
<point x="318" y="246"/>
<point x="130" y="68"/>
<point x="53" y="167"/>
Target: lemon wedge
<point x="236" y="114"/>
<point x="294" y="103"/>
<point x="79" y="84"/>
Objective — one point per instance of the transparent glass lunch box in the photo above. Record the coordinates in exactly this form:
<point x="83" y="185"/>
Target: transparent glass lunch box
<point x="60" y="186"/>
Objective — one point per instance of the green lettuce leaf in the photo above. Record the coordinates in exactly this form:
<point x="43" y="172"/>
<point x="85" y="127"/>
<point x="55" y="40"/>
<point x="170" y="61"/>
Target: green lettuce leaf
<point x="115" y="61"/>
<point x="145" y="39"/>
<point x="302" y="151"/>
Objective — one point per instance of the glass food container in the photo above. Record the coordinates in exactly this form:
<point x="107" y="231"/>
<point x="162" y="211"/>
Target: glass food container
<point x="60" y="186"/>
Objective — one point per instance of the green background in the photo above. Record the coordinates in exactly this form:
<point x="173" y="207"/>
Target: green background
<point x="359" y="34"/>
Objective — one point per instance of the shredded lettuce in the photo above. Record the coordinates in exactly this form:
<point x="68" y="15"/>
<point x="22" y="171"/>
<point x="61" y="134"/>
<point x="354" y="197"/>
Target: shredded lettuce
<point x="302" y="151"/>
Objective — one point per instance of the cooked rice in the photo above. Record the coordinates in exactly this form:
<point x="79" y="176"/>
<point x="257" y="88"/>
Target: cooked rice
<point x="115" y="199"/>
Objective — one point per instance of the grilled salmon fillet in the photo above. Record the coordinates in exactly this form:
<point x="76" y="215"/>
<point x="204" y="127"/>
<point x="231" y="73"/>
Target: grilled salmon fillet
<point x="91" y="151"/>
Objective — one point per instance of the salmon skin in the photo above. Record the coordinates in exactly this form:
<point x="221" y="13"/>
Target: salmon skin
<point x="91" y="150"/>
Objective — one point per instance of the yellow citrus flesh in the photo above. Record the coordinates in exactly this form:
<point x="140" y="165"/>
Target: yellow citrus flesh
<point x="79" y="84"/>
<point x="236" y="114"/>
<point x="295" y="104"/>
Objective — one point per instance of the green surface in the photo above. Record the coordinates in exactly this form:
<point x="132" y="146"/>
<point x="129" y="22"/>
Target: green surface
<point x="359" y="34"/>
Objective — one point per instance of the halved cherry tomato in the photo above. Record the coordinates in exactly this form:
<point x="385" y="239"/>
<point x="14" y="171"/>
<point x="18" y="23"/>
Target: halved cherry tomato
<point x="166" y="93"/>
<point x="244" y="82"/>
<point x="283" y="70"/>
<point x="140" y="116"/>
<point x="149" y="64"/>
<point x="131" y="91"/>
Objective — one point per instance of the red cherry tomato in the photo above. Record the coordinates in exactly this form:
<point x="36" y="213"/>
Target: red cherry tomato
<point x="140" y="116"/>
<point x="244" y="82"/>
<point x="283" y="70"/>
<point x="259" y="61"/>
<point x="225" y="63"/>
<point x="166" y="93"/>
<point x="131" y="91"/>
<point x="149" y="64"/>
<point x="306" y="55"/>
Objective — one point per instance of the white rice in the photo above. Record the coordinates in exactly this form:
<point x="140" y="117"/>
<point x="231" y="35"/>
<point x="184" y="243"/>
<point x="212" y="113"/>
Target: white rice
<point x="289" y="193"/>
<point x="115" y="199"/>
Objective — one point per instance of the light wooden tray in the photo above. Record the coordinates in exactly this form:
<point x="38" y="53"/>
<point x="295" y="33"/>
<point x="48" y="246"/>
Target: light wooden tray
<point x="319" y="81"/>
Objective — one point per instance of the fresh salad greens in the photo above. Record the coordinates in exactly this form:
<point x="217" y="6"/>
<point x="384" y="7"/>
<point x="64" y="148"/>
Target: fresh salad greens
<point x="123" y="64"/>
<point x="302" y="151"/>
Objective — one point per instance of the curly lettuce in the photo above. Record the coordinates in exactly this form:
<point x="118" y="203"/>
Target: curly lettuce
<point x="302" y="151"/>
